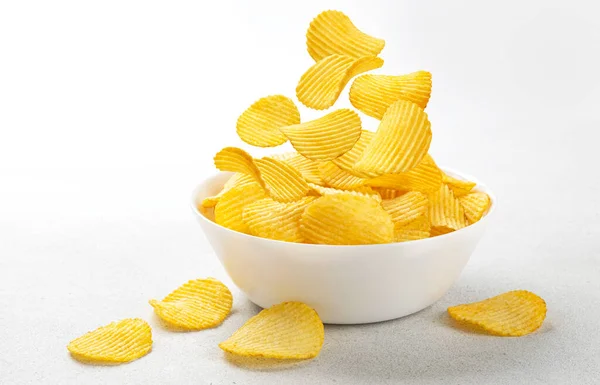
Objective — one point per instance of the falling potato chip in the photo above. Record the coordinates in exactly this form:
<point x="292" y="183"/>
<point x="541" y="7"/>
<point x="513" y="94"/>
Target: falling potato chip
<point x="406" y="208"/>
<point x="237" y="160"/>
<point x="335" y="177"/>
<point x="284" y="182"/>
<point x="445" y="209"/>
<point x="230" y="208"/>
<point x="388" y="193"/>
<point x="347" y="161"/>
<point x="475" y="204"/>
<point x="321" y="85"/>
<point x="373" y="94"/>
<point x="326" y="138"/>
<point x="268" y="218"/>
<point x="400" y="143"/>
<point x="426" y="177"/>
<point x="290" y="330"/>
<point x="120" y="341"/>
<point x="332" y="32"/>
<point x="197" y="304"/>
<point x="360" y="191"/>
<point x="512" y="314"/>
<point x="458" y="186"/>
<point x="259" y="125"/>
<point x="307" y="167"/>
<point x="345" y="219"/>
<point x="236" y="179"/>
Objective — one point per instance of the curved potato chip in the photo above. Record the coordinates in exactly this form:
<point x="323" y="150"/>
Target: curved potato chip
<point x="284" y="182"/>
<point x="406" y="208"/>
<point x="400" y="143"/>
<point x="405" y="235"/>
<point x="332" y="32"/>
<point x="475" y="204"/>
<point x="321" y="85"/>
<point x="458" y="186"/>
<point x="388" y="193"/>
<point x="236" y="179"/>
<point x="290" y="330"/>
<point x="364" y="191"/>
<point x="445" y="209"/>
<point x="120" y="341"/>
<point x="307" y="167"/>
<point x="426" y="177"/>
<point x="338" y="178"/>
<point x="229" y="210"/>
<point x="197" y="304"/>
<point x="373" y="94"/>
<point x="512" y="314"/>
<point x="347" y="161"/>
<point x="259" y="124"/>
<point x="268" y="218"/>
<point x="440" y="230"/>
<point x="325" y="138"/>
<point x="345" y="219"/>
<point x="237" y="160"/>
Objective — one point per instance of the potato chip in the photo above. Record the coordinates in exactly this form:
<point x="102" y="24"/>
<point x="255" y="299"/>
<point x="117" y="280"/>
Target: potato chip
<point x="332" y="32"/>
<point x="426" y="177"/>
<point x="512" y="314"/>
<point x="373" y="94"/>
<point x="388" y="193"/>
<point x="360" y="191"/>
<point x="259" y="125"/>
<point x="321" y="85"/>
<point x="345" y="219"/>
<point x="120" y="341"/>
<point x="326" y="138"/>
<point x="236" y="179"/>
<point x="347" y="161"/>
<point x="419" y="228"/>
<point x="439" y="230"/>
<point x="335" y="177"/>
<point x="400" y="143"/>
<point x="405" y="235"/>
<point x="307" y="167"/>
<point x="458" y="186"/>
<point x="290" y="330"/>
<point x="229" y="210"/>
<point x="237" y="160"/>
<point x="406" y="208"/>
<point x="475" y="204"/>
<point x="268" y="218"/>
<point x="197" y="304"/>
<point x="445" y="209"/>
<point x="284" y="182"/>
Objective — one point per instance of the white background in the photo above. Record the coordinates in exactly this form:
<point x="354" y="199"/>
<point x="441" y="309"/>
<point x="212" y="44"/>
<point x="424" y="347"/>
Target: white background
<point x="111" y="111"/>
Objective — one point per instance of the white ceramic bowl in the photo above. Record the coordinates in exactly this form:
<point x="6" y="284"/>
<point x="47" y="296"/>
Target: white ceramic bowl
<point x="344" y="284"/>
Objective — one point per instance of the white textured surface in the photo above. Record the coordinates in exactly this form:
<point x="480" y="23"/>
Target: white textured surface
<point x="110" y="113"/>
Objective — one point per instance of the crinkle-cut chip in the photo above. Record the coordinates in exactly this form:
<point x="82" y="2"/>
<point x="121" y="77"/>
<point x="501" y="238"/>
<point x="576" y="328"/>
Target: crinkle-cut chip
<point x="373" y="94"/>
<point x="236" y="179"/>
<point x="406" y="208"/>
<point x="332" y="32"/>
<point x="237" y="160"/>
<point x="361" y="191"/>
<point x="418" y="228"/>
<point x="284" y="182"/>
<point x="259" y="125"/>
<point x="426" y="177"/>
<point x="326" y="138"/>
<point x="388" y="193"/>
<point x="512" y="314"/>
<point x="347" y="161"/>
<point x="445" y="209"/>
<point x="475" y="204"/>
<point x="345" y="219"/>
<point x="459" y="187"/>
<point x="335" y="177"/>
<point x="400" y="143"/>
<point x="439" y="230"/>
<point x="120" y="341"/>
<point x="229" y="210"/>
<point x="307" y="167"/>
<point x="405" y="235"/>
<point x="290" y="330"/>
<point x="197" y="304"/>
<point x="268" y="218"/>
<point x="321" y="85"/>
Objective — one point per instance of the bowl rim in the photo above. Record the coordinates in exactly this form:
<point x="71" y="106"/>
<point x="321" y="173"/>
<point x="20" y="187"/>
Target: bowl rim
<point x="479" y="186"/>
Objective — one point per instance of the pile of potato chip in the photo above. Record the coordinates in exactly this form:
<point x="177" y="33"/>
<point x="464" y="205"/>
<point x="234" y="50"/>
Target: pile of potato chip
<point x="384" y="183"/>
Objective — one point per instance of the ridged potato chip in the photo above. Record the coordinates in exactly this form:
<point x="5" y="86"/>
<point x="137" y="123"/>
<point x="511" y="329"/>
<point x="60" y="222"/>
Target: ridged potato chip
<point x="419" y="228"/>
<point x="236" y="179"/>
<point x="345" y="219"/>
<point x="405" y="235"/>
<point x="445" y="209"/>
<point x="512" y="314"/>
<point x="475" y="204"/>
<point x="197" y="304"/>
<point x="290" y="330"/>
<point x="439" y="230"/>
<point x="335" y="177"/>
<point x="400" y="143"/>
<point x="117" y="342"/>
<point x="388" y="193"/>
<point x="373" y="94"/>
<point x="458" y="186"/>
<point x="347" y="161"/>
<point x="268" y="218"/>
<point x="259" y="125"/>
<point x="332" y="32"/>
<point x="307" y="167"/>
<point x="406" y="208"/>
<point x="230" y="208"/>
<point x="237" y="160"/>
<point x="284" y="182"/>
<point x="321" y="85"/>
<point x="325" y="138"/>
<point x="426" y="177"/>
<point x="360" y="191"/>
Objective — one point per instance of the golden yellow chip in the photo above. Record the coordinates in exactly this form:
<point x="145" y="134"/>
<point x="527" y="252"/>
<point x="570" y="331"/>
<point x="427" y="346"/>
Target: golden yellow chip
<point x="321" y="85"/>
<point x="445" y="209"/>
<point x="284" y="182"/>
<point x="458" y="186"/>
<point x="230" y="208"/>
<point x="406" y="208"/>
<point x="439" y="230"/>
<point x="400" y="143"/>
<point x="268" y="218"/>
<point x="259" y="125"/>
<point x="335" y="177"/>
<point x="236" y="179"/>
<point x="326" y="138"/>
<point x="426" y="177"/>
<point x="388" y="193"/>
<point x="237" y="160"/>
<point x="345" y="219"/>
<point x="120" y="341"/>
<point x="373" y="94"/>
<point x="332" y="32"/>
<point x="290" y="330"/>
<point x="475" y="204"/>
<point x="361" y="191"/>
<point x="197" y="304"/>
<point x="347" y="161"/>
<point x="512" y="314"/>
<point x="405" y="235"/>
<point x="307" y="167"/>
